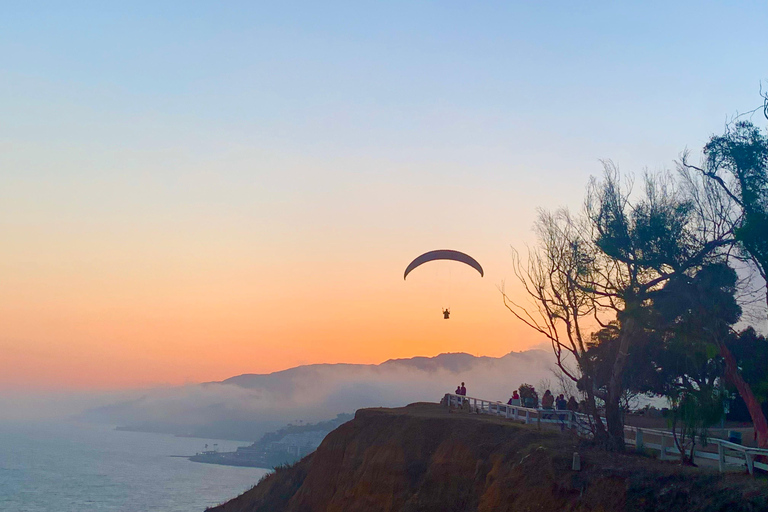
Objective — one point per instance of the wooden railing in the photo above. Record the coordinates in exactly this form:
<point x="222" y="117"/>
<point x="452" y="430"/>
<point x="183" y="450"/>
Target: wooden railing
<point x="728" y="455"/>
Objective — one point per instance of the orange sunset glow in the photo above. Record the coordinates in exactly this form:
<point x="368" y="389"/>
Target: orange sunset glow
<point x="240" y="191"/>
<point x="101" y="300"/>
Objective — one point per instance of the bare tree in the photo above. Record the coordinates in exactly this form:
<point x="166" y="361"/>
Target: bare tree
<point x="564" y="384"/>
<point x="559" y="307"/>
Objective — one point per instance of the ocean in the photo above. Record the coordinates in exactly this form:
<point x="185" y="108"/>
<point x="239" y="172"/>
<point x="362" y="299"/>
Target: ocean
<point x="68" y="467"/>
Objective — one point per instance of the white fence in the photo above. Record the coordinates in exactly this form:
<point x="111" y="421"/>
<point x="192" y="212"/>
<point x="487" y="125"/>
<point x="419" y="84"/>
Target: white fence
<point x="728" y="455"/>
<point x="724" y="452"/>
<point x="564" y="419"/>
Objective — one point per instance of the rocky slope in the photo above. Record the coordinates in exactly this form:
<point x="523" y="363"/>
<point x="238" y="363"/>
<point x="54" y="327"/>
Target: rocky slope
<point x="423" y="457"/>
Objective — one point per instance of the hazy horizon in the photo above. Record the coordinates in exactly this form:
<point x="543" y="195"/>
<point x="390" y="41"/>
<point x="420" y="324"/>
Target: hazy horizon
<point x="254" y="403"/>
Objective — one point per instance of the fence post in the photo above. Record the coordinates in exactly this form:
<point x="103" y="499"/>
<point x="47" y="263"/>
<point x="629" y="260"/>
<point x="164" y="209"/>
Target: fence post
<point x="663" y="454"/>
<point x="720" y="457"/>
<point x="527" y="416"/>
<point x="639" y="440"/>
<point x="750" y="464"/>
<point x="538" y="419"/>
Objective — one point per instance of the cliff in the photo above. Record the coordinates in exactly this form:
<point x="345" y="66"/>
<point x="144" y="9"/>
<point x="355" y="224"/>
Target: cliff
<point x="423" y="457"/>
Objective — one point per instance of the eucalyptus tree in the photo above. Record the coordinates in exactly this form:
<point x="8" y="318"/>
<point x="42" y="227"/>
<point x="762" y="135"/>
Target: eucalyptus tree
<point x="694" y="316"/>
<point x="736" y="166"/>
<point x="676" y="354"/>
<point x="640" y="242"/>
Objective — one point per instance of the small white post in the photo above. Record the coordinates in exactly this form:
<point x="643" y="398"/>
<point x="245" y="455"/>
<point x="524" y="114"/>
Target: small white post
<point x="663" y="454"/>
<point x="639" y="440"/>
<point x="576" y="464"/>
<point x="527" y="416"/>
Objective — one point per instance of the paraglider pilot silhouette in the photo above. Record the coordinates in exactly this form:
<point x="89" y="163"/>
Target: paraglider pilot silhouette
<point x="444" y="254"/>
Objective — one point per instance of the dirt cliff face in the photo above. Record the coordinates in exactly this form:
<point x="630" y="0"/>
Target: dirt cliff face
<point x="425" y="458"/>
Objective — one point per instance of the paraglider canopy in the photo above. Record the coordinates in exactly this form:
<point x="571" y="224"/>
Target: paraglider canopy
<point x="443" y="254"/>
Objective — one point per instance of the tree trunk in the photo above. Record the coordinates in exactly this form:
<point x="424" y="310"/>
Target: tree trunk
<point x="613" y="415"/>
<point x="732" y="374"/>
<point x="615" y="421"/>
<point x="600" y="433"/>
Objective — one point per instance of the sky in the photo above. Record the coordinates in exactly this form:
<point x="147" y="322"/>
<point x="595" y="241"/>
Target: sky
<point x="195" y="190"/>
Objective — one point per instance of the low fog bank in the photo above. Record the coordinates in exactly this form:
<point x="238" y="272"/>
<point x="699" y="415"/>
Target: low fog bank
<point x="31" y="406"/>
<point x="246" y="406"/>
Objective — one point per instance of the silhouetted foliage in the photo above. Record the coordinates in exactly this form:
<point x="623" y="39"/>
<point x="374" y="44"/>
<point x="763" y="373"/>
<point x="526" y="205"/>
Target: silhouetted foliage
<point x="528" y="391"/>
<point x="642" y="242"/>
<point x="651" y="269"/>
<point x="675" y="352"/>
<point x="737" y="162"/>
<point x="736" y="166"/>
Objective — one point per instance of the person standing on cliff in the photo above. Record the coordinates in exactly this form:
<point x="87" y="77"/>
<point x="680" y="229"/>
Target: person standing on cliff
<point x="547" y="401"/>
<point x="463" y="390"/>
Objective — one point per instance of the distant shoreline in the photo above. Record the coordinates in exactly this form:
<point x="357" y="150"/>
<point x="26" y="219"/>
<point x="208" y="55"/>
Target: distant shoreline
<point x="228" y="459"/>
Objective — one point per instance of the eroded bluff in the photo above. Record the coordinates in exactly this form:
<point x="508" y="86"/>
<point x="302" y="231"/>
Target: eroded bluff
<point x="426" y="458"/>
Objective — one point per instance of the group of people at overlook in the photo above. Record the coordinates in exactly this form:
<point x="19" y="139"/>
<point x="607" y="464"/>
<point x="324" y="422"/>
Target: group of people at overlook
<point x="548" y="400"/>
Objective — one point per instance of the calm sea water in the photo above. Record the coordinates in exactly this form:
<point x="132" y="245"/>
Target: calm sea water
<point x="81" y="467"/>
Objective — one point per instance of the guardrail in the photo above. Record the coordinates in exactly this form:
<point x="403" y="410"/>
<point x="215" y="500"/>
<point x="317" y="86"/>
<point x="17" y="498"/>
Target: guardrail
<point x="727" y="454"/>
<point x="724" y="452"/>
<point x="563" y="418"/>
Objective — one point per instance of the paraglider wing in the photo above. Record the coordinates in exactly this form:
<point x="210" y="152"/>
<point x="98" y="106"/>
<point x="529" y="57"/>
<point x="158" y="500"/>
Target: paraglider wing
<point x="443" y="254"/>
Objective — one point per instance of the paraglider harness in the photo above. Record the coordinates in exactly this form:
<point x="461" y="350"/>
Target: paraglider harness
<point x="446" y="313"/>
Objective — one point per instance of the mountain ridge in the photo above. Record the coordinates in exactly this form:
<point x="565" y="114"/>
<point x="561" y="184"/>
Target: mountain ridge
<point x="456" y="362"/>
